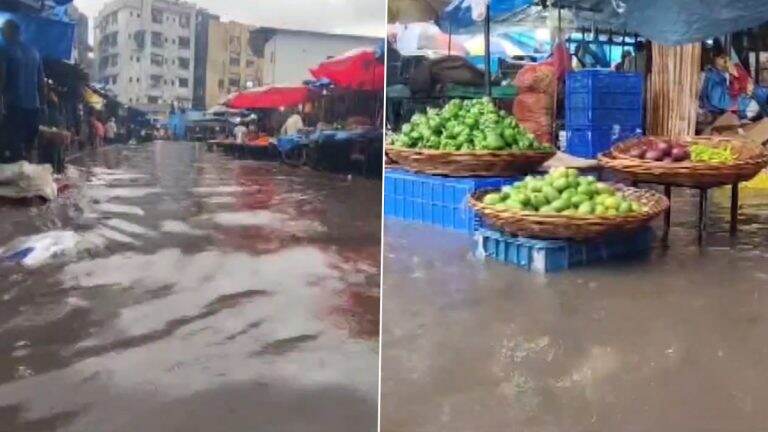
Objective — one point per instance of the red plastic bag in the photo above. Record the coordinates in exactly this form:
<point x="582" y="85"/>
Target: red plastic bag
<point x="537" y="78"/>
<point x="534" y="112"/>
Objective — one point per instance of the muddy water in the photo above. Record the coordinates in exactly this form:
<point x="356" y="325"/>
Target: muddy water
<point x="673" y="342"/>
<point x="204" y="294"/>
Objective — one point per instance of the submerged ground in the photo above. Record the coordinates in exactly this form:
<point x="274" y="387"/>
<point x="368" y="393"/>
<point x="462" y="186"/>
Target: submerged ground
<point x="674" y="342"/>
<point x="204" y="294"/>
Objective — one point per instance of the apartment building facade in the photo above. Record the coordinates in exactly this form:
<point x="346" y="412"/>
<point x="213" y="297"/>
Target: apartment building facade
<point x="144" y="52"/>
<point x="289" y="54"/>
<point x="225" y="62"/>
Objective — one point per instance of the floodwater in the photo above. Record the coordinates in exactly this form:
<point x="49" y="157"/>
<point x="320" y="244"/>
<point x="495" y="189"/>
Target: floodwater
<point x="671" y="342"/>
<point x="203" y="294"/>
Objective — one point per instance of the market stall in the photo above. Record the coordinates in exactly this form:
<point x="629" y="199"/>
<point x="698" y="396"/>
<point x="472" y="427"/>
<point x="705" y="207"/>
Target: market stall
<point x="468" y="147"/>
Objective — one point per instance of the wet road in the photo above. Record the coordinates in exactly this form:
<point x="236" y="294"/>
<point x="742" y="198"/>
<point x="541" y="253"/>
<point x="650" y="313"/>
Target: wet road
<point x="674" y="342"/>
<point x="204" y="294"/>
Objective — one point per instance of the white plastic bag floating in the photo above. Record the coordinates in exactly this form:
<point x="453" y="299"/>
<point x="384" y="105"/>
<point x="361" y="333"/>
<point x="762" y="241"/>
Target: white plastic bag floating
<point x="36" y="250"/>
<point x="26" y="180"/>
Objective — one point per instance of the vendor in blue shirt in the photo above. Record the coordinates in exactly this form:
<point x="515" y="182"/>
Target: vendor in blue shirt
<point x="717" y="99"/>
<point x="22" y="82"/>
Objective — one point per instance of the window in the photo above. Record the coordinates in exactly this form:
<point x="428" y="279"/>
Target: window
<point x="234" y="61"/>
<point x="166" y="40"/>
<point x="153" y="99"/>
<point x="184" y="21"/>
<point x="165" y="82"/>
<point x="184" y="63"/>
<point x="138" y="80"/>
<point x="130" y="100"/>
<point x="157" y="39"/>
<point x="250" y="63"/>
<point x="184" y="42"/>
<point x="155" y="80"/>
<point x="157" y="16"/>
<point x="234" y="44"/>
<point x="138" y="37"/>
<point x="157" y="59"/>
<point x="221" y="85"/>
<point x="113" y="61"/>
<point x="183" y="83"/>
<point x="138" y="59"/>
<point x="234" y="82"/>
<point x="130" y="79"/>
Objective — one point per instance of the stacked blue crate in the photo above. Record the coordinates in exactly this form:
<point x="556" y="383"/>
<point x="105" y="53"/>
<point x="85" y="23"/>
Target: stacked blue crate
<point x="435" y="200"/>
<point x="602" y="108"/>
<point x="546" y="256"/>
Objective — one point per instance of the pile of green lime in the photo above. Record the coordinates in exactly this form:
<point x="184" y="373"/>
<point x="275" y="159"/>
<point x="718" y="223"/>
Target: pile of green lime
<point x="563" y="191"/>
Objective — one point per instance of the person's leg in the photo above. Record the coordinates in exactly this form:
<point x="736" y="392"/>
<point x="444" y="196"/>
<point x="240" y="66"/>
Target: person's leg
<point x="15" y="134"/>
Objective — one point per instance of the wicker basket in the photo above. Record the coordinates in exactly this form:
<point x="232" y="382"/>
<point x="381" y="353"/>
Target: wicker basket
<point x="750" y="158"/>
<point x="558" y="226"/>
<point x="469" y="163"/>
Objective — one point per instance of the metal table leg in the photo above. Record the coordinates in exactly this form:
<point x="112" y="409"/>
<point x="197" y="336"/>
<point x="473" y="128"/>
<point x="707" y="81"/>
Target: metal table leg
<point x="703" y="208"/>
<point x="734" y="208"/>
<point x="667" y="216"/>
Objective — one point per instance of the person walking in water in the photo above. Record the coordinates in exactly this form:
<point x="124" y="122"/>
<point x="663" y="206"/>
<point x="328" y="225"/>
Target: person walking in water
<point x="22" y="81"/>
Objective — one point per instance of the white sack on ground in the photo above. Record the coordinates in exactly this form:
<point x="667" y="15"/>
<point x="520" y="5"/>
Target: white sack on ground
<point x="26" y="180"/>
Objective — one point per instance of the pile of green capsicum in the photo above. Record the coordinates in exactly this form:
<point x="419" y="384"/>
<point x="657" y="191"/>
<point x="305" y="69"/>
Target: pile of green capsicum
<point x="466" y="125"/>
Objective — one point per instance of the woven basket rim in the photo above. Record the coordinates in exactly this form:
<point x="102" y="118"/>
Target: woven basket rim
<point x="759" y="150"/>
<point x="470" y="152"/>
<point x="476" y="202"/>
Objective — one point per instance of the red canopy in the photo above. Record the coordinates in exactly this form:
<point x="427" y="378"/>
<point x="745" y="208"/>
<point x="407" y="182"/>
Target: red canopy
<point x="268" y="97"/>
<point x="358" y="69"/>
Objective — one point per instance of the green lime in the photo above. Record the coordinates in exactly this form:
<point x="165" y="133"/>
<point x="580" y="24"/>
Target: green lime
<point x="586" y="209"/>
<point x="625" y="208"/>
<point x="560" y="205"/>
<point x="561" y="184"/>
<point x="600" y="210"/>
<point x="612" y="203"/>
<point x="551" y="194"/>
<point x="492" y="199"/>
<point x="579" y="199"/>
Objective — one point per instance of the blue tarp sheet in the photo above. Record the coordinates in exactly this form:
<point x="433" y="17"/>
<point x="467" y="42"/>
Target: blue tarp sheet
<point x="457" y="17"/>
<point x="290" y="142"/>
<point x="669" y="22"/>
<point x="52" y="38"/>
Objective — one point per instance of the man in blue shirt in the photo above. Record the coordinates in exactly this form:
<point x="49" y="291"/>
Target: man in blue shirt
<point x="22" y="82"/>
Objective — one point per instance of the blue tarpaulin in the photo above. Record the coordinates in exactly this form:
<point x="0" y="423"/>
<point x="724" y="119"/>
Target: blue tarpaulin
<point x="457" y="17"/>
<point x="52" y="38"/>
<point x="669" y="22"/>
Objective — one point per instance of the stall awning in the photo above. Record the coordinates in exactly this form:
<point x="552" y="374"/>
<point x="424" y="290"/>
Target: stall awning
<point x="268" y="97"/>
<point x="52" y="38"/>
<point x="670" y="22"/>
<point x="357" y="70"/>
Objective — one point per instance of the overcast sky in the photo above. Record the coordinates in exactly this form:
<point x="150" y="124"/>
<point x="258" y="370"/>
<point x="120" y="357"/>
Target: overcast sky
<point x="364" y="17"/>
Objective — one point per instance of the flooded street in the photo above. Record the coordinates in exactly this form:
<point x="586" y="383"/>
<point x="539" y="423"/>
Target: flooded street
<point x="203" y="294"/>
<point x="672" y="342"/>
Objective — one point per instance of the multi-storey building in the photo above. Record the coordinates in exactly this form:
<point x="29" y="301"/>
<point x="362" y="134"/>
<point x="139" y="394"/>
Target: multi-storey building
<point x="225" y="62"/>
<point x="289" y="54"/>
<point x="144" y="52"/>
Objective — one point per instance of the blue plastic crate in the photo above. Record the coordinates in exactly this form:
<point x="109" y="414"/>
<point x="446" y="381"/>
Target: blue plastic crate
<point x="577" y="117"/>
<point x="593" y="101"/>
<point x="435" y="200"/>
<point x="596" y="81"/>
<point x="591" y="141"/>
<point x="546" y="256"/>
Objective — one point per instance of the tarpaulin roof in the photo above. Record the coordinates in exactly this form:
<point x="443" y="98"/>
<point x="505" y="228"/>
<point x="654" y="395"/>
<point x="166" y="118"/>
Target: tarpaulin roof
<point x="673" y="22"/>
<point x="358" y="69"/>
<point x="52" y="38"/>
<point x="668" y="22"/>
<point x="268" y="97"/>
